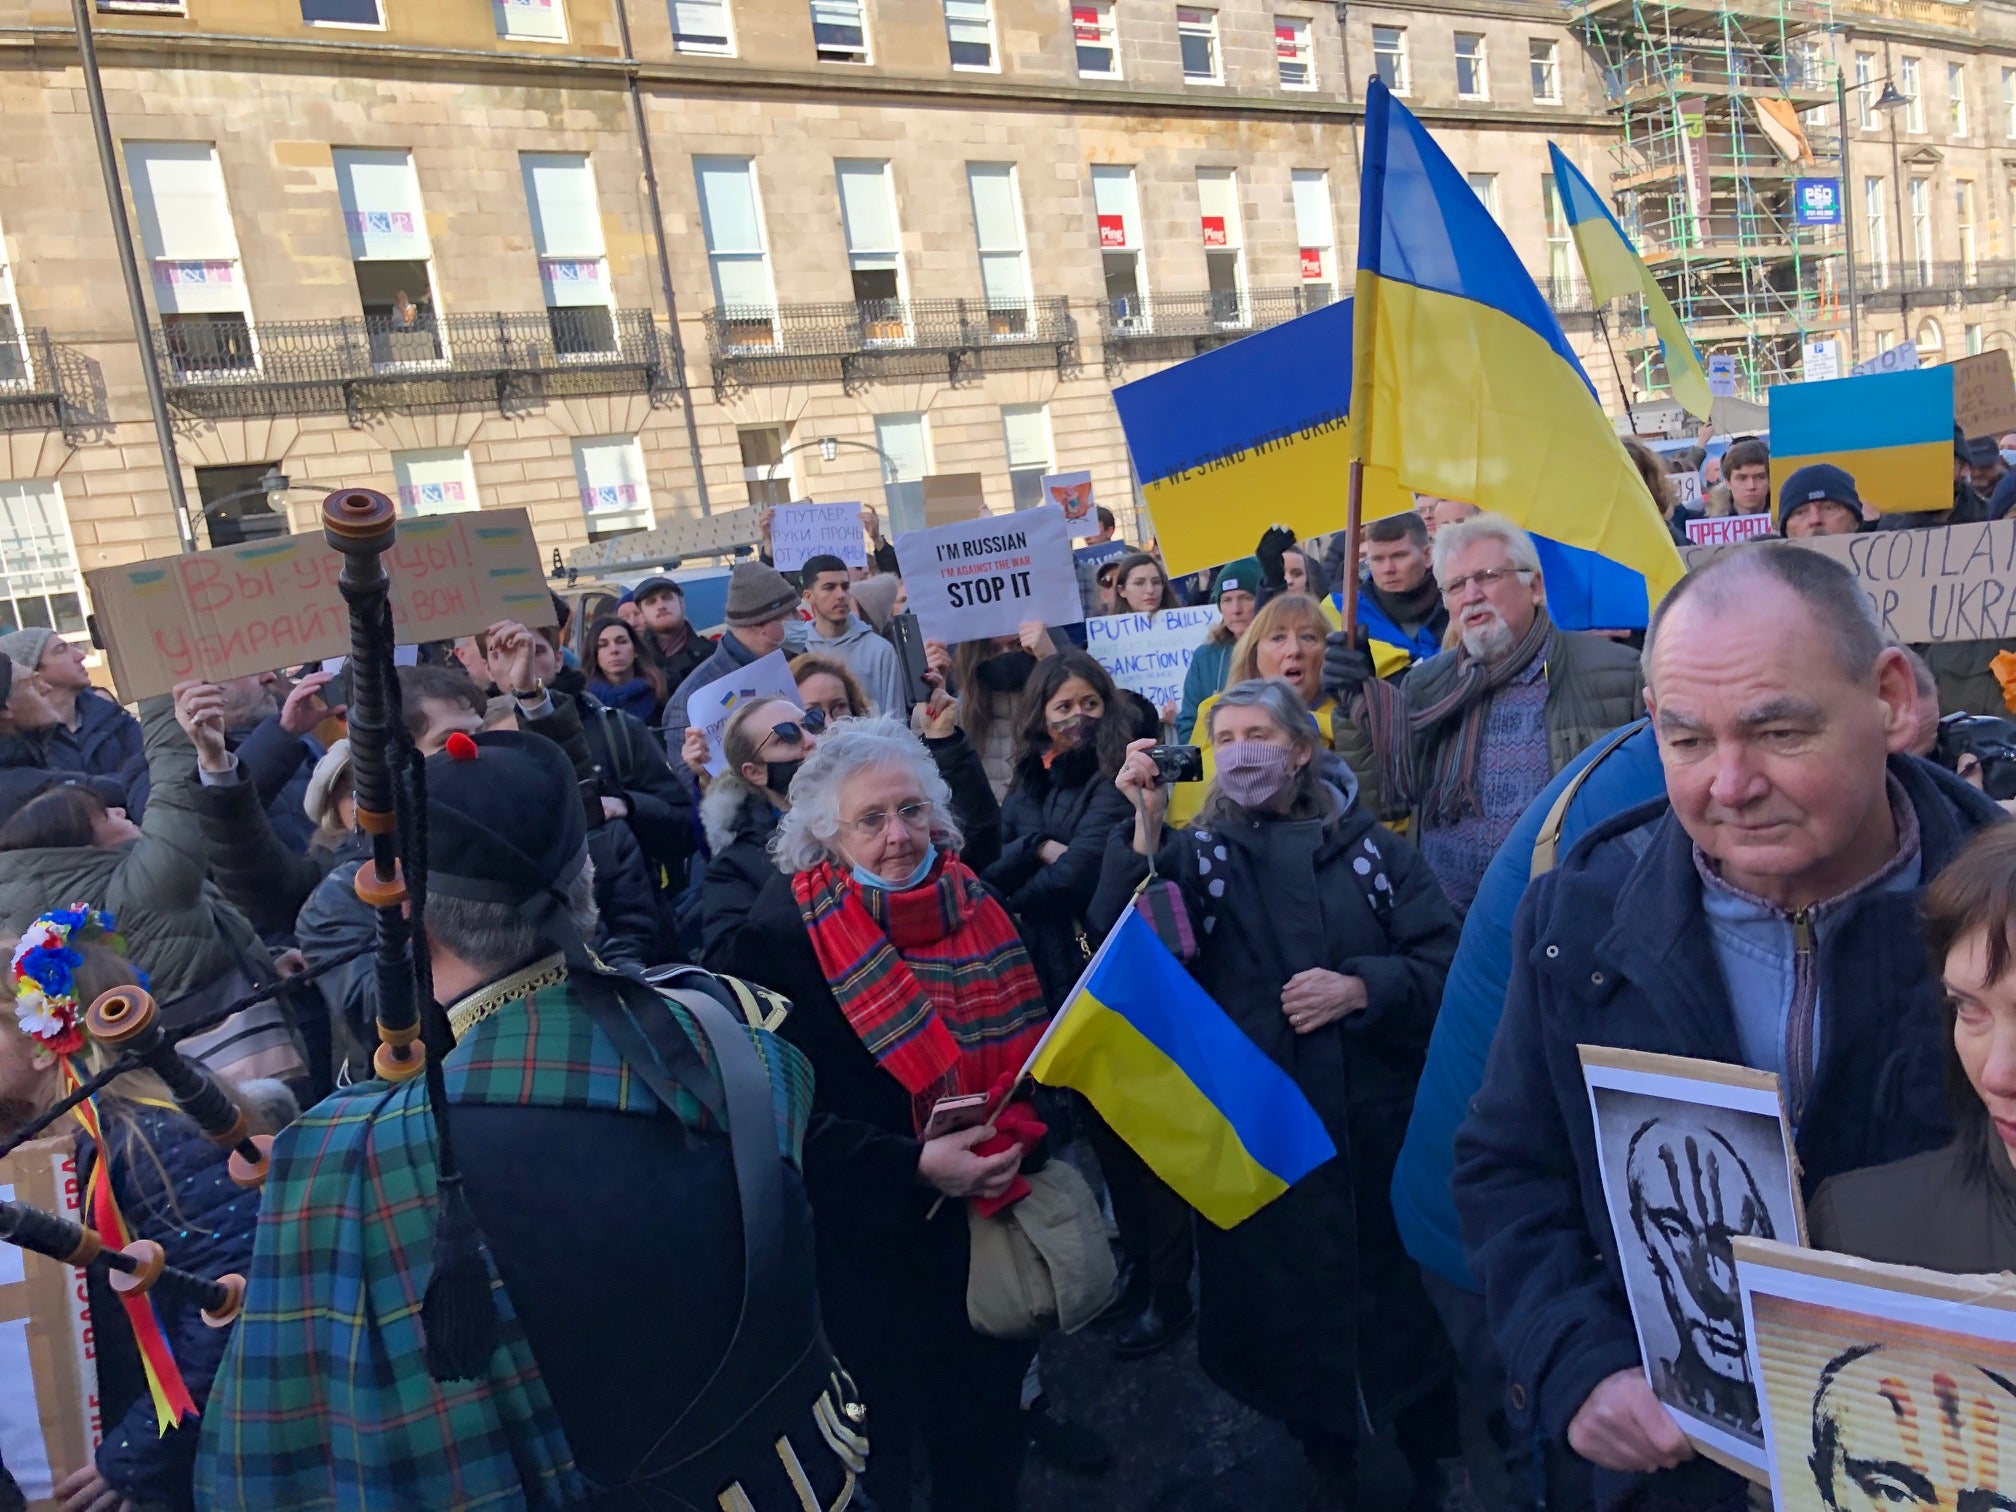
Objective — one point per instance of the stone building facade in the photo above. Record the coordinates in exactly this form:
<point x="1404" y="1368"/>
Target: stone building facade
<point x="623" y="261"/>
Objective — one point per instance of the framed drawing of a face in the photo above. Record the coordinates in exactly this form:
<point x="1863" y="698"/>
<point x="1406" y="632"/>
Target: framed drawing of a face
<point x="1884" y="1388"/>
<point x="1693" y="1154"/>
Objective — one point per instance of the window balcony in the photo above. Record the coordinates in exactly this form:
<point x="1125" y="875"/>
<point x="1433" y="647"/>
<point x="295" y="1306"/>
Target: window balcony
<point x="861" y="341"/>
<point x="1151" y="326"/>
<point x="42" y="385"/>
<point x="222" y="366"/>
<point x="1979" y="278"/>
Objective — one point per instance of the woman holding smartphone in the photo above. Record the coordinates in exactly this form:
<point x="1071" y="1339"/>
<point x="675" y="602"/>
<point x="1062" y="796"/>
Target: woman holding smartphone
<point x="1326" y="940"/>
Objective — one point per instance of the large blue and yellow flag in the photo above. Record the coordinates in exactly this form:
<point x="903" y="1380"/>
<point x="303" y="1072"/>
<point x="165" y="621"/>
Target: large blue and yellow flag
<point x="1463" y="383"/>
<point x="1891" y="432"/>
<point x="1250" y="435"/>
<point x="1616" y="271"/>
<point x="1197" y="1100"/>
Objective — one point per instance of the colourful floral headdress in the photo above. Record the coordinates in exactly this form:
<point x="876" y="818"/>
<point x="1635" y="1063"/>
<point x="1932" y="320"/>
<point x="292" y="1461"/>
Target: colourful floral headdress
<point x="43" y="979"/>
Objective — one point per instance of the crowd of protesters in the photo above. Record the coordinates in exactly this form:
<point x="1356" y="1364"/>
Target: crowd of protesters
<point x="1422" y="862"/>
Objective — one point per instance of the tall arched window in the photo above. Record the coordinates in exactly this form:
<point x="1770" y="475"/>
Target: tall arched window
<point x="1931" y="343"/>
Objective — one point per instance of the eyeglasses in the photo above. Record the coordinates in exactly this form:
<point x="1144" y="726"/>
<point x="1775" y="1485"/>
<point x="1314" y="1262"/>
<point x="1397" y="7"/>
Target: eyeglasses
<point x="913" y="816"/>
<point x="791" y="731"/>
<point x="1484" y="579"/>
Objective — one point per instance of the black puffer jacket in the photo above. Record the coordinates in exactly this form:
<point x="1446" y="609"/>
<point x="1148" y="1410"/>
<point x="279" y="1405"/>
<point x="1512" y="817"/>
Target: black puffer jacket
<point x="740" y="821"/>
<point x="1074" y="803"/>
<point x="206" y="1228"/>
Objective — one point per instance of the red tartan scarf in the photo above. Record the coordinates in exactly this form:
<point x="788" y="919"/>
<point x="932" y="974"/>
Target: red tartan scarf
<point x="934" y="980"/>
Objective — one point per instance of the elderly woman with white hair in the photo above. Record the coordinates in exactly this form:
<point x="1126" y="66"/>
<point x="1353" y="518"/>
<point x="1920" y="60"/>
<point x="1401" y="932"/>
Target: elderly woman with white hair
<point x="908" y="984"/>
<point x="1326" y="940"/>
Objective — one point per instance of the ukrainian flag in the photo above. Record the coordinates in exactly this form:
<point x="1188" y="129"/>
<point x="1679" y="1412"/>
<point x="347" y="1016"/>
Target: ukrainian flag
<point x="1616" y="271"/>
<point x="1463" y="383"/>
<point x="1197" y="1100"/>
<point x="1891" y="432"/>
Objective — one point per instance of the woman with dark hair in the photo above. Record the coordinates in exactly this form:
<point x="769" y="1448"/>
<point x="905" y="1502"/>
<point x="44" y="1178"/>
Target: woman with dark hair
<point x="988" y="677"/>
<point x="1141" y="586"/>
<point x="1072" y="729"/>
<point x="1326" y="940"/>
<point x="1953" y="1209"/>
<point x="620" y="673"/>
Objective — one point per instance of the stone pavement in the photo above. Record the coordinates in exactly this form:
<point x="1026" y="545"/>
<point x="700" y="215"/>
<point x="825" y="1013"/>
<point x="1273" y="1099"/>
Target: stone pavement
<point x="1180" y="1444"/>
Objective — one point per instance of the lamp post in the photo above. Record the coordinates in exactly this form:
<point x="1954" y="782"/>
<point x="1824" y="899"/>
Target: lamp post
<point x="829" y="448"/>
<point x="1888" y="100"/>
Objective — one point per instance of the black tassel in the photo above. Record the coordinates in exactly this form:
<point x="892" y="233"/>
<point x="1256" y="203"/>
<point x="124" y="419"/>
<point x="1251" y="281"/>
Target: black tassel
<point x="458" y="1317"/>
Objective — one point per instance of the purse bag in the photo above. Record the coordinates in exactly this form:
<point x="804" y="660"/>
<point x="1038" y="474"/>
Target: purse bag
<point x="1044" y="1263"/>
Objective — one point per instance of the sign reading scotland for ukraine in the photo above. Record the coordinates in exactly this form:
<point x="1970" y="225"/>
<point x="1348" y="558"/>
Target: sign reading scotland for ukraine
<point x="1250" y="435"/>
<point x="1891" y="432"/>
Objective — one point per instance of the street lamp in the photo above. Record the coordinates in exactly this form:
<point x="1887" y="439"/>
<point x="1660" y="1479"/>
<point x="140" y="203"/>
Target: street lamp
<point x="829" y="448"/>
<point x="272" y="486"/>
<point x="1888" y="100"/>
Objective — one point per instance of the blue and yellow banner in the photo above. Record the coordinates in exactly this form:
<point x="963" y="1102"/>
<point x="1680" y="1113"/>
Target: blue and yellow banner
<point x="1204" y="1106"/>
<point x="1252" y="434"/>
<point x="1464" y="384"/>
<point x="1616" y="271"/>
<point x="1891" y="432"/>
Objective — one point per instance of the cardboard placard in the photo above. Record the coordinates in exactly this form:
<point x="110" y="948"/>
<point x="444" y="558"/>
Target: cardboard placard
<point x="1984" y="394"/>
<point x="1692" y="1152"/>
<point x="1072" y="493"/>
<point x="951" y="497"/>
<point x="251" y="608"/>
<point x="799" y="531"/>
<point x="1879" y="1376"/>
<point x="689" y="536"/>
<point x="980" y="578"/>
<point x="1726" y="530"/>
<point x="1956" y="583"/>
<point x="709" y="706"/>
<point x="1150" y="654"/>
<point x="49" y="1412"/>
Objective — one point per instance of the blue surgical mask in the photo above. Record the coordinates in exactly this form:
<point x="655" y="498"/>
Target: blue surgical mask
<point x="865" y="878"/>
<point x="2008" y="458"/>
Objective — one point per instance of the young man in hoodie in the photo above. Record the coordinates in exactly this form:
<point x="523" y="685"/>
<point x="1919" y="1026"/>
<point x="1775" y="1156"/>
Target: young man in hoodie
<point x="836" y="630"/>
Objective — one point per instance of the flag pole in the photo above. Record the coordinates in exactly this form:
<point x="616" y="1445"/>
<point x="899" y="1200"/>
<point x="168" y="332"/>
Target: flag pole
<point x="1623" y="389"/>
<point x="1354" y="507"/>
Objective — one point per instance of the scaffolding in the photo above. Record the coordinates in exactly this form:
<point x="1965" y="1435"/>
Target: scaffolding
<point x="1702" y="187"/>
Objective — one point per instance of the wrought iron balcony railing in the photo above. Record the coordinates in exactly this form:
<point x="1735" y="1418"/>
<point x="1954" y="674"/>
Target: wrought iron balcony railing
<point x="1984" y="276"/>
<point x="1207" y="319"/>
<point x="38" y="380"/>
<point x="865" y="339"/>
<point x="224" y="365"/>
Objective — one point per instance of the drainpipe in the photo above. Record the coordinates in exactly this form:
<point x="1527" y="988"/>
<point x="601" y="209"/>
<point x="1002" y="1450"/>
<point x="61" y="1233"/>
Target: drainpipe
<point x="658" y="241"/>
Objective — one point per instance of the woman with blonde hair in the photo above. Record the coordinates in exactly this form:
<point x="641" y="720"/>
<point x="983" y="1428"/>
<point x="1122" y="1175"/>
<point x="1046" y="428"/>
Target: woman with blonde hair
<point x="1286" y="640"/>
<point x="142" y="1165"/>
<point x="828" y="684"/>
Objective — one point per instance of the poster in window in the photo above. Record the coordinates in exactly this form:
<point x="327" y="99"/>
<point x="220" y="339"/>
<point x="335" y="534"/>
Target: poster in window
<point x="1214" y="231"/>
<point x="1112" y="231"/>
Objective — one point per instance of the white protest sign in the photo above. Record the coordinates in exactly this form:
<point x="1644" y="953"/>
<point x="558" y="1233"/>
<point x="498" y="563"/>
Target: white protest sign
<point x="1687" y="485"/>
<point x="1722" y="374"/>
<point x="1072" y="493"/>
<point x="1725" y="530"/>
<point x="799" y="531"/>
<point x="978" y="578"/>
<point x="1899" y="359"/>
<point x="708" y="706"/>
<point x="1150" y="654"/>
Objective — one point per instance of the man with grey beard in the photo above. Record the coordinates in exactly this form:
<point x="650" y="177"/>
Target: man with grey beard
<point x="1468" y="738"/>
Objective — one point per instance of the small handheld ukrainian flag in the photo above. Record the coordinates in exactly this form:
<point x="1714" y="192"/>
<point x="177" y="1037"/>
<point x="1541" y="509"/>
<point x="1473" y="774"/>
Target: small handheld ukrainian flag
<point x="1462" y="381"/>
<point x="1197" y="1100"/>
<point x="1616" y="271"/>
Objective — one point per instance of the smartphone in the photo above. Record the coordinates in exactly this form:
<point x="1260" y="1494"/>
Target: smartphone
<point x="968" y="1110"/>
<point x="908" y="637"/>
<point x="1177" y="763"/>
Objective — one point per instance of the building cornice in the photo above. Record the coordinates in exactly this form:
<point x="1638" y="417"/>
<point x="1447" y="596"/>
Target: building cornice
<point x="730" y="78"/>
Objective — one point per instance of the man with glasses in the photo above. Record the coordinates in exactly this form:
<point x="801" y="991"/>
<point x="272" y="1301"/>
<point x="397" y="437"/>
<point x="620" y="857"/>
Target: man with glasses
<point x="1469" y="736"/>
